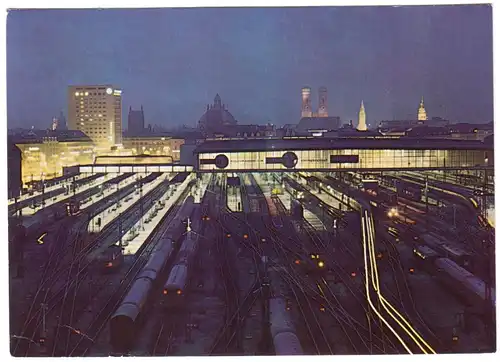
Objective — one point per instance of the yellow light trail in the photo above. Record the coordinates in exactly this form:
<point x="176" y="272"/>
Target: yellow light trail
<point x="368" y="290"/>
<point x="385" y="303"/>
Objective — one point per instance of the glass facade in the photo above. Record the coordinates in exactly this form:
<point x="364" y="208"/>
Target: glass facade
<point x="366" y="159"/>
<point x="47" y="159"/>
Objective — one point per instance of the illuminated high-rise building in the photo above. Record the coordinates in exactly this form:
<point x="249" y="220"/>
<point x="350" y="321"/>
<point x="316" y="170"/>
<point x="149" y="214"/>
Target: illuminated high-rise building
<point x="362" y="118"/>
<point x="306" y="102"/>
<point x="96" y="110"/>
<point x="422" y="115"/>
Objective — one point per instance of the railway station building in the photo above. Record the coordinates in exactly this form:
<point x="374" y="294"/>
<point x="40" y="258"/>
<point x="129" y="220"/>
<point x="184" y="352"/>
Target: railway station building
<point x="343" y="154"/>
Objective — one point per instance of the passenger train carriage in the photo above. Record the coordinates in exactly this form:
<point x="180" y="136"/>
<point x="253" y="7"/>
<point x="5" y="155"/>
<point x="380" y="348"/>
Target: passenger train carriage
<point x="124" y="321"/>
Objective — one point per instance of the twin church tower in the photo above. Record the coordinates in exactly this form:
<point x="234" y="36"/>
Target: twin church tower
<point x="306" y="111"/>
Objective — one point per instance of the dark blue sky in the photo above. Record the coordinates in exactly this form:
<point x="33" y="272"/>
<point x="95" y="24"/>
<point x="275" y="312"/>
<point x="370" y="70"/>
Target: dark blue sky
<point x="174" y="61"/>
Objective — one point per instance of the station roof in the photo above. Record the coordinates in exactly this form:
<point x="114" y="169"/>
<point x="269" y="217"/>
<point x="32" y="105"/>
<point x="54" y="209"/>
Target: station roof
<point x="38" y="136"/>
<point x="337" y="143"/>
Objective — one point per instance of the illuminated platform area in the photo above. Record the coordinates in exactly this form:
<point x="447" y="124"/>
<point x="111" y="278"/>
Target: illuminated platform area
<point x="343" y="154"/>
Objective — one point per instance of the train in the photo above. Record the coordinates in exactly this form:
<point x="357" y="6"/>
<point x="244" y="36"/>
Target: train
<point x="453" y="252"/>
<point x="233" y="180"/>
<point x="462" y="282"/>
<point x="174" y="290"/>
<point x="124" y="321"/>
<point x="426" y="257"/>
<point x="469" y="287"/>
<point x="73" y="208"/>
<point x="296" y="210"/>
<point x="283" y="332"/>
<point x="370" y="184"/>
<point x="42" y="219"/>
<point x="276" y="220"/>
<point x="409" y="190"/>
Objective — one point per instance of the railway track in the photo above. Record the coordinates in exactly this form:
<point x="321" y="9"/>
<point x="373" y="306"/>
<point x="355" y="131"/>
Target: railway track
<point x="405" y="296"/>
<point x="75" y="275"/>
<point x="92" y="332"/>
<point x="229" y="337"/>
<point x="52" y="271"/>
<point x="350" y="325"/>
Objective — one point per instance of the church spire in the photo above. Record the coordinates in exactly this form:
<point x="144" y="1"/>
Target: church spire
<point x="217" y="101"/>
<point x="422" y="114"/>
<point x="362" y="118"/>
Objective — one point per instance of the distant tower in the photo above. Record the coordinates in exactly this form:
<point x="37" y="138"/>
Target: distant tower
<point x="217" y="101"/>
<point x="322" y="108"/>
<point x="55" y="123"/>
<point x="362" y="118"/>
<point x="422" y="115"/>
<point x="306" y="102"/>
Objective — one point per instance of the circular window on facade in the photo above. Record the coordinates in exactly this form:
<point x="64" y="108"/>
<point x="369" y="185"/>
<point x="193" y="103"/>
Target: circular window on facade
<point x="221" y="161"/>
<point x="290" y="160"/>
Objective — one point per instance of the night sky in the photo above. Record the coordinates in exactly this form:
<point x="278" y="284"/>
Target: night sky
<point x="174" y="61"/>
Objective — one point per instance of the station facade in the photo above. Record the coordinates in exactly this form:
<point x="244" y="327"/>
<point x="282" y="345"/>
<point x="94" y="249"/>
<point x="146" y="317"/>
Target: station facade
<point x="342" y="154"/>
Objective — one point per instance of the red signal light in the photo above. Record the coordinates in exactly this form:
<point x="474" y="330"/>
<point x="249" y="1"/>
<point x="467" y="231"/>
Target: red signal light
<point x="353" y="274"/>
<point x="228" y="235"/>
<point x="179" y="292"/>
<point x="297" y="261"/>
<point x="109" y="264"/>
<point x="165" y="292"/>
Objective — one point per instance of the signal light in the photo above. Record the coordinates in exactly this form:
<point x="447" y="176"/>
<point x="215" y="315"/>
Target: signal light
<point x="179" y="292"/>
<point x="353" y="274"/>
<point x="297" y="261"/>
<point x="322" y="309"/>
<point x="245" y="236"/>
<point x="412" y="270"/>
<point x="165" y="292"/>
<point x="109" y="264"/>
<point x="228" y="235"/>
<point x="321" y="264"/>
<point x="455" y="338"/>
<point x="379" y="255"/>
<point x="41" y="341"/>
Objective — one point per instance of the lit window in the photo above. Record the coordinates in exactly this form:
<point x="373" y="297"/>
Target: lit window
<point x="86" y="93"/>
<point x="77" y="94"/>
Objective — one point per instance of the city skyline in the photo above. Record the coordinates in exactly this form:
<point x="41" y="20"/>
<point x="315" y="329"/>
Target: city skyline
<point x="257" y="60"/>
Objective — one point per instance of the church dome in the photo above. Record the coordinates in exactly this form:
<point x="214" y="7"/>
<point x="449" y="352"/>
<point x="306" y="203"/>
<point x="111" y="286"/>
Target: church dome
<point x="216" y="116"/>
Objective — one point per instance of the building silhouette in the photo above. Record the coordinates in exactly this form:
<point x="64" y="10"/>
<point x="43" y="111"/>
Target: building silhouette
<point x="135" y="121"/>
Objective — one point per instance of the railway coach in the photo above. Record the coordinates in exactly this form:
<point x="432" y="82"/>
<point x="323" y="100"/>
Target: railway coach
<point x="124" y="321"/>
<point x="283" y="332"/>
<point x="174" y="290"/>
